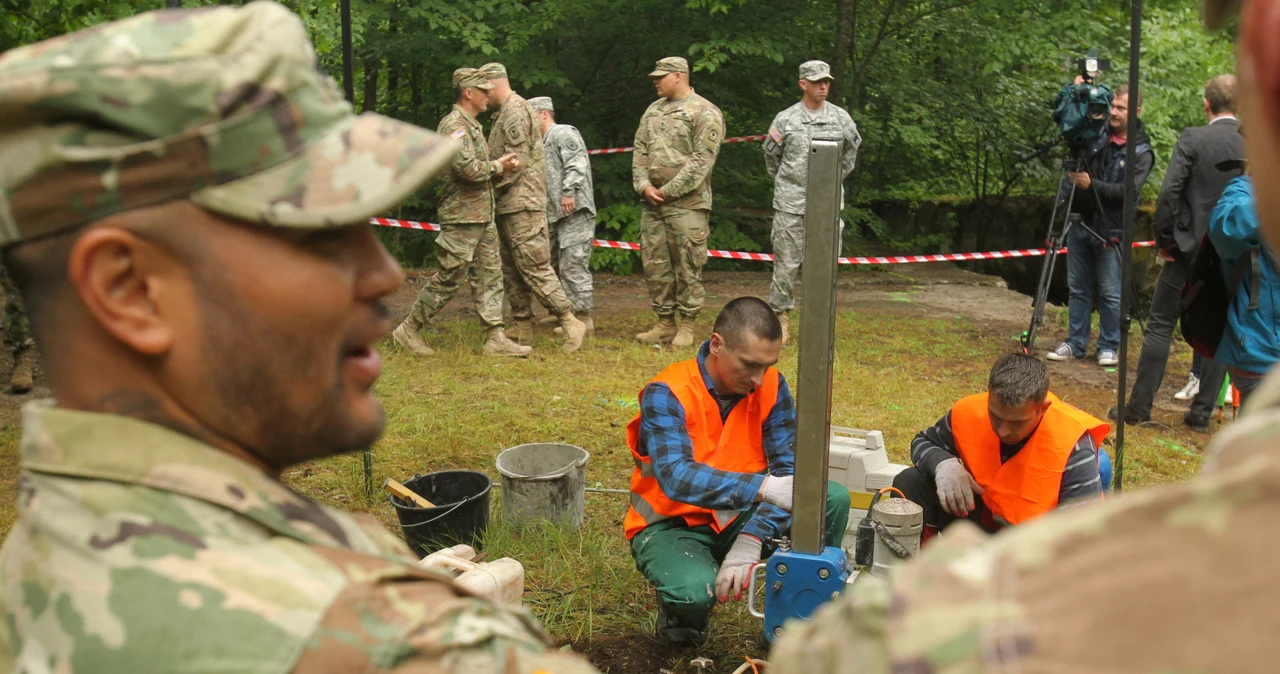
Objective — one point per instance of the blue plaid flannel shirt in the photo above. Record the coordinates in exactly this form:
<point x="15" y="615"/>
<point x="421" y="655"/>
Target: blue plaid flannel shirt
<point x="664" y="439"/>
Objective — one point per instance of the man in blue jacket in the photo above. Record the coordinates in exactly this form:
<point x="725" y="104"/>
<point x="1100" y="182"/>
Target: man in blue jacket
<point x="1249" y="344"/>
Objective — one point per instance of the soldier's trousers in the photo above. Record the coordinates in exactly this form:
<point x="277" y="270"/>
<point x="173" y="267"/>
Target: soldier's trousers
<point x="788" y="256"/>
<point x="571" y="238"/>
<point x="682" y="561"/>
<point x="673" y="249"/>
<point x="526" y="264"/>
<point x="17" y="329"/>
<point x="464" y="248"/>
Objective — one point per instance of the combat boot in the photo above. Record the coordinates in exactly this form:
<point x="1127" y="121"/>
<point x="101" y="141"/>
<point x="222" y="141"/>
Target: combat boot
<point x="660" y="333"/>
<point x="407" y="335"/>
<point x="497" y="344"/>
<point x="574" y="330"/>
<point x="549" y="319"/>
<point x="521" y="331"/>
<point x="21" y="381"/>
<point x="784" y="317"/>
<point x="586" y="320"/>
<point x="684" y="336"/>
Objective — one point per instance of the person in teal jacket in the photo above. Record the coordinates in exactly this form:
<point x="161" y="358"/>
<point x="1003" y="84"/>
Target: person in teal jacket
<point x="1251" y="342"/>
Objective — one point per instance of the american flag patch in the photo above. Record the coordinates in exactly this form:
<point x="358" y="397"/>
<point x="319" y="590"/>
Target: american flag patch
<point x="776" y="135"/>
<point x="457" y="134"/>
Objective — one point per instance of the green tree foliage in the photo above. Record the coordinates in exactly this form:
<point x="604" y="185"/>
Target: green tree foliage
<point x="951" y="95"/>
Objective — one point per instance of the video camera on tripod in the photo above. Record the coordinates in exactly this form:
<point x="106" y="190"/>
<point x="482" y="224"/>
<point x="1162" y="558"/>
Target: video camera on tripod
<point x="1081" y="109"/>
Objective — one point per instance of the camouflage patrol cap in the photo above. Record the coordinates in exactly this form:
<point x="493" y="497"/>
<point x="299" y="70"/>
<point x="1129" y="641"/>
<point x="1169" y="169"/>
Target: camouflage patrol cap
<point x="494" y="71"/>
<point x="471" y="77"/>
<point x="815" y="71"/>
<point x="539" y="103"/>
<point x="224" y="105"/>
<point x="1216" y="13"/>
<point x="670" y="64"/>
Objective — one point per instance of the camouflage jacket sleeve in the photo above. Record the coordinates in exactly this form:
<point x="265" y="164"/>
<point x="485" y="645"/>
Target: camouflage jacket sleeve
<point x="398" y="619"/>
<point x="640" y="157"/>
<point x="512" y="138"/>
<point x="577" y="165"/>
<point x="471" y="165"/>
<point x="773" y="142"/>
<point x="852" y="141"/>
<point x="708" y="130"/>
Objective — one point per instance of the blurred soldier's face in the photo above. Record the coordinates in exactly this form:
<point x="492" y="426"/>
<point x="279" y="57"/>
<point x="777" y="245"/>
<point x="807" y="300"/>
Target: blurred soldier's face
<point x="815" y="92"/>
<point x="477" y="100"/>
<point x="274" y="351"/>
<point x="666" y="85"/>
<point x="1258" y="69"/>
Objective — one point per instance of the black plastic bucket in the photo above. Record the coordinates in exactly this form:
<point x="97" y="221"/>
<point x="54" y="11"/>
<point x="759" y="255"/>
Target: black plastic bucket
<point x="461" y="514"/>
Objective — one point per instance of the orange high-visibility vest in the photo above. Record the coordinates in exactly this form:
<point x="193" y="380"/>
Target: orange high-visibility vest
<point x="734" y="445"/>
<point x="1027" y="485"/>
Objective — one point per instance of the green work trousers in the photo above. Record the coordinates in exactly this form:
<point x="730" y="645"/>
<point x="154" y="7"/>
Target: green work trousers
<point x="682" y="561"/>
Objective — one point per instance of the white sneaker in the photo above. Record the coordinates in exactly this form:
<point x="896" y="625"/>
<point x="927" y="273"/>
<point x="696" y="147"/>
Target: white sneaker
<point x="1108" y="358"/>
<point x="1063" y="352"/>
<point x="1190" y="390"/>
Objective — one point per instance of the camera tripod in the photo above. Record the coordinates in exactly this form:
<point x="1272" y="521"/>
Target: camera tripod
<point x="1055" y="241"/>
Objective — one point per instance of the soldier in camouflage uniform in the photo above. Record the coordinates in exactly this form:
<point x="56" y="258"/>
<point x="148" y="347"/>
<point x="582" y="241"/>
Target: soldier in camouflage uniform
<point x="786" y="157"/>
<point x="571" y="208"/>
<point x="1141" y="583"/>
<point x="468" y="238"/>
<point x="675" y="150"/>
<point x="214" y="189"/>
<point x="17" y="336"/>
<point x="522" y="218"/>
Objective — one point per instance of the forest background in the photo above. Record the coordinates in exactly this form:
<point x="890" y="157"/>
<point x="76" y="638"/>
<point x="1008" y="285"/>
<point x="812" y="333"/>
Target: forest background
<point x="951" y="96"/>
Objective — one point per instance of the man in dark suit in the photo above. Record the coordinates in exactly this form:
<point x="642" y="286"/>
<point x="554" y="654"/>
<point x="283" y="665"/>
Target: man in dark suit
<point x="1192" y="185"/>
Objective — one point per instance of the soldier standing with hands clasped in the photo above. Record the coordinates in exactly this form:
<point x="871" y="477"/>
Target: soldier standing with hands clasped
<point x="786" y="156"/>
<point x="675" y="150"/>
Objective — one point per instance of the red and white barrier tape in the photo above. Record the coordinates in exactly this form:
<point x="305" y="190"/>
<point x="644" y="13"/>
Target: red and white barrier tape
<point x="619" y="150"/>
<point x="766" y="257"/>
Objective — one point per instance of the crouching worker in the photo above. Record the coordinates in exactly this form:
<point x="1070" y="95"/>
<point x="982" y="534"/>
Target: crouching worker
<point x="714" y="452"/>
<point x="1005" y="456"/>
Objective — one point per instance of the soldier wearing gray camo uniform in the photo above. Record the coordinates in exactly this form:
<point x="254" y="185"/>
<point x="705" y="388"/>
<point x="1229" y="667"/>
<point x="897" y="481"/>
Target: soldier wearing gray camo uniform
<point x="786" y="156"/>
<point x="571" y="208"/>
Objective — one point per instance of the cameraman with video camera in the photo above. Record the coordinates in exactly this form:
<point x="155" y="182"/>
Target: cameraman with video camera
<point x="1093" y="242"/>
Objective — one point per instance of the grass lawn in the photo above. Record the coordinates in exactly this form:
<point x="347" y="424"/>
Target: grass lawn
<point x="900" y="364"/>
<point x="896" y="373"/>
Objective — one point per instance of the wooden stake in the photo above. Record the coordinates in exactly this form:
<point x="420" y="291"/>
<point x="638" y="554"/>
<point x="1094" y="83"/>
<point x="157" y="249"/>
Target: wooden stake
<point x="397" y="489"/>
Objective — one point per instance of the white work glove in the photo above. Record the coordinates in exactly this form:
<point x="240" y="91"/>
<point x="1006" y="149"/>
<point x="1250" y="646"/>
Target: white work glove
<point x="735" y="570"/>
<point x="956" y="488"/>
<point x="777" y="491"/>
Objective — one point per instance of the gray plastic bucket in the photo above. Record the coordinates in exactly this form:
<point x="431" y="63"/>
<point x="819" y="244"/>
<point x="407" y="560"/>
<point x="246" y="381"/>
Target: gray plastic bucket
<point x="543" y="481"/>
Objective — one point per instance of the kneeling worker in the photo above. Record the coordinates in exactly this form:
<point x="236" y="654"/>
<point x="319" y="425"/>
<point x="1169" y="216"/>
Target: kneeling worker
<point x="714" y="450"/>
<point x="1005" y="456"/>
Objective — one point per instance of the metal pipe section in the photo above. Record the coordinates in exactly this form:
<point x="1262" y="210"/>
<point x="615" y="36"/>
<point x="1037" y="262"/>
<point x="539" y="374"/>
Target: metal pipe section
<point x="817" y="346"/>
<point x="348" y="79"/>
<point x="1126" y="254"/>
